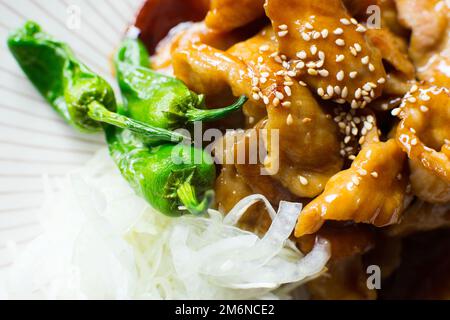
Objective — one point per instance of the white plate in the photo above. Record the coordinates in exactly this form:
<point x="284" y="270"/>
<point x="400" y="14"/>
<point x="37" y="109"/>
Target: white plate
<point x="33" y="139"/>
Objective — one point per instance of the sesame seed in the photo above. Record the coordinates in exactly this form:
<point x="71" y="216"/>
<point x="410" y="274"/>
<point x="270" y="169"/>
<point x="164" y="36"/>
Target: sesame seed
<point x="371" y="67"/>
<point x="288" y="91"/>
<point x="319" y="64"/>
<point x="321" y="55"/>
<point x="264" y="48"/>
<point x="316" y="35"/>
<point x="374" y="174"/>
<point x="353" y="74"/>
<point x="292" y="73"/>
<point x="283" y="27"/>
<point x="330" y="90"/>
<point x="353" y="51"/>
<point x="321" y="92"/>
<point x="354" y="21"/>
<point x="265" y="74"/>
<point x="324" y="33"/>
<point x="368" y="126"/>
<point x="313" y="49"/>
<point x="300" y="65"/>
<point x="414" y="88"/>
<point x="395" y="112"/>
<point x="302" y="54"/>
<point x="309" y="26"/>
<point x="344" y="93"/>
<point x="303" y="180"/>
<point x="412" y="99"/>
<point x="365" y="60"/>
<point x="355" y="180"/>
<point x="358" y="93"/>
<point x="345" y="21"/>
<point x="424" y="97"/>
<point x="340" y="58"/>
<point x="324" y="73"/>
<point x="282" y="34"/>
<point x="311" y="64"/>
<point x="263" y="80"/>
<point x="414" y="142"/>
<point x="340" y="42"/>
<point x="286" y="104"/>
<point x="303" y="84"/>
<point x="312" y="72"/>
<point x="340" y="75"/>
<point x="338" y="31"/>
<point x="381" y="80"/>
<point x="306" y="36"/>
<point x="256" y="96"/>
<point x="289" y="120"/>
<point x="423" y="108"/>
<point x="279" y="95"/>
<point x="362" y="172"/>
<point x="266" y="100"/>
<point x="367" y="87"/>
<point x="354" y="104"/>
<point x="276" y="102"/>
<point x="361" y="29"/>
<point x="358" y="47"/>
<point x="337" y="90"/>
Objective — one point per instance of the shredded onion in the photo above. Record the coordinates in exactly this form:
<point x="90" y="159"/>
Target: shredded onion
<point x="101" y="241"/>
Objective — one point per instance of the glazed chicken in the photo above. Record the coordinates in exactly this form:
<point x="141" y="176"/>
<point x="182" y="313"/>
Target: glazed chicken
<point x="353" y="119"/>
<point x="423" y="134"/>
<point x="328" y="49"/>
<point x="355" y="194"/>
<point x="429" y="21"/>
<point x="226" y="15"/>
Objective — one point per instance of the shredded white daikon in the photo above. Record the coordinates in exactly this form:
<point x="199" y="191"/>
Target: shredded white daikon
<point x="101" y="241"/>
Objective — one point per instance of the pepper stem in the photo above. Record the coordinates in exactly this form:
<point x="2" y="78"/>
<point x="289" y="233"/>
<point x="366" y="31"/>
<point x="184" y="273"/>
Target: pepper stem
<point x="214" y="114"/>
<point x="187" y="196"/>
<point x="99" y="113"/>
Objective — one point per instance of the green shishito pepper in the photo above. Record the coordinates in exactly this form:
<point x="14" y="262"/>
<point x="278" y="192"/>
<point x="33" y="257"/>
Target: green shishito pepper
<point x="157" y="99"/>
<point x="164" y="175"/>
<point x="83" y="98"/>
<point x="170" y="177"/>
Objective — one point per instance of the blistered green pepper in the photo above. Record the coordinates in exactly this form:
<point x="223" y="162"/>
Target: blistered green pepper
<point x="170" y="177"/>
<point x="83" y="98"/>
<point x="156" y="99"/>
